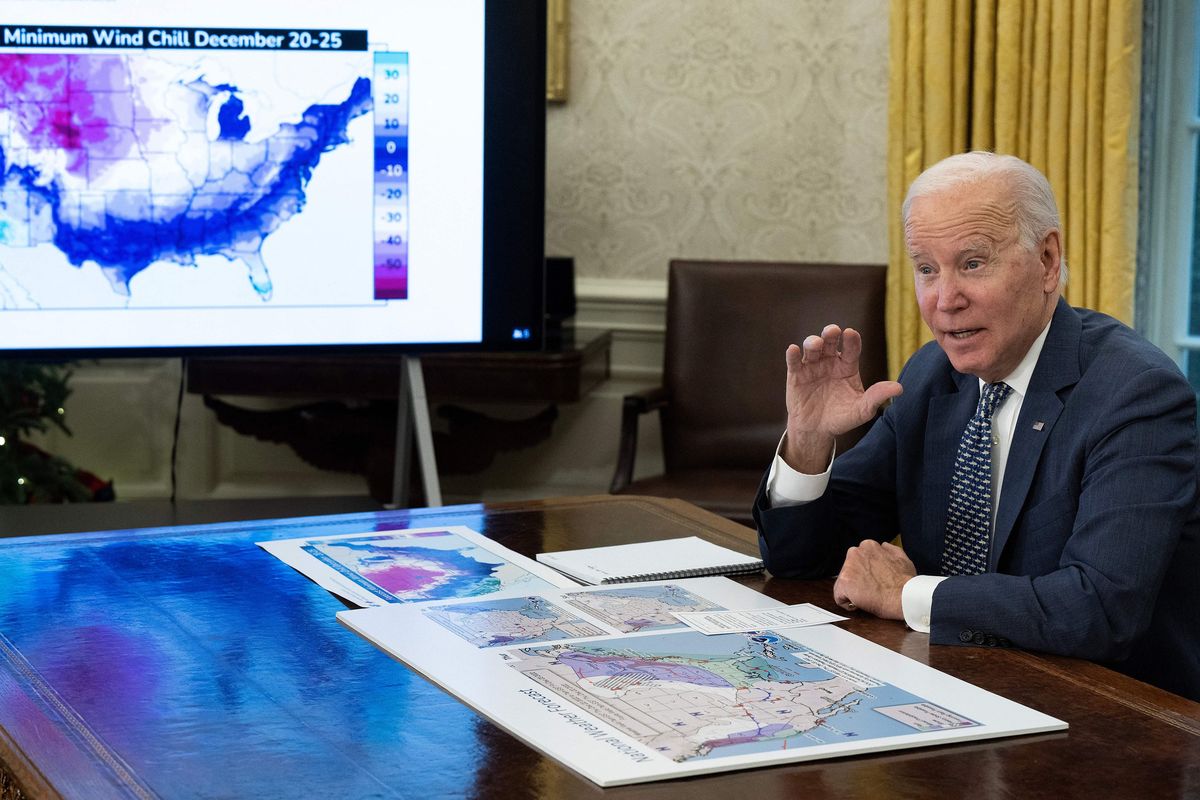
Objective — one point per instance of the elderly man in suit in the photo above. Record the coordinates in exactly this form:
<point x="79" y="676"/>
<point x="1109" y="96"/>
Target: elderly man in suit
<point x="1038" y="461"/>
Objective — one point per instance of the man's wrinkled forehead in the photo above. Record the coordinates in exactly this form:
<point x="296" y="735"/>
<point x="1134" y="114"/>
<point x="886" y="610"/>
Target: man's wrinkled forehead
<point x="962" y="214"/>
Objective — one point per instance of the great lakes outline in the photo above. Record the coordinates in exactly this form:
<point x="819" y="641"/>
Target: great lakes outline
<point x="631" y="608"/>
<point x="690" y="696"/>
<point x="511" y="621"/>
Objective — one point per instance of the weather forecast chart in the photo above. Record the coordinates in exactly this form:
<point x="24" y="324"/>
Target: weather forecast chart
<point x="686" y="695"/>
<point x="640" y="608"/>
<point x="511" y="621"/>
<point x="424" y="565"/>
<point x="650" y="704"/>
<point x="382" y="568"/>
<point x="168" y="167"/>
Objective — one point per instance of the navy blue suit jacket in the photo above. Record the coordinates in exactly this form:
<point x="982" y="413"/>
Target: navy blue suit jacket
<point x="1096" y="551"/>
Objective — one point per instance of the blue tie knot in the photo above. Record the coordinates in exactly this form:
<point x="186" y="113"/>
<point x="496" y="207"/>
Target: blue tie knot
<point x="992" y="396"/>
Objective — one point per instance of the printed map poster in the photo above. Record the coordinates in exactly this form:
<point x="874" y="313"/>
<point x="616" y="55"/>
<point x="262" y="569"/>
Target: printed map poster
<point x="497" y="621"/>
<point x="663" y="702"/>
<point x="404" y="566"/>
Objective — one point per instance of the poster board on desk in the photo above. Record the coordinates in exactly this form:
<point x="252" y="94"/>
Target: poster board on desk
<point x="412" y="565"/>
<point x="631" y="706"/>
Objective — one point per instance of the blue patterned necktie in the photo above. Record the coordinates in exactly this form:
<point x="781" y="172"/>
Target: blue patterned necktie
<point x="969" y="521"/>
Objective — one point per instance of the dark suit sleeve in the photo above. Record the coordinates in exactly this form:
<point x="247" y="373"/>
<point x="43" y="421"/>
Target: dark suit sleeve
<point x="810" y="540"/>
<point x="1123" y="485"/>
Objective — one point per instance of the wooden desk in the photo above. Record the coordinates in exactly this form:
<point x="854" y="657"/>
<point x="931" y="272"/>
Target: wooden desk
<point x="186" y="662"/>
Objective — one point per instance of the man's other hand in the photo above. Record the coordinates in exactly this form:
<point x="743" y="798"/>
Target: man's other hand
<point x="873" y="578"/>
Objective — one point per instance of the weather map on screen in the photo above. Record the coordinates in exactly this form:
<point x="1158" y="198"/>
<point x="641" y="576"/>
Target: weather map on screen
<point x="167" y="172"/>
<point x="128" y="161"/>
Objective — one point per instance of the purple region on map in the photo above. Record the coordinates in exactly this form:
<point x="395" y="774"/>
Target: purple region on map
<point x="419" y="571"/>
<point x="586" y="665"/>
<point x="113" y="173"/>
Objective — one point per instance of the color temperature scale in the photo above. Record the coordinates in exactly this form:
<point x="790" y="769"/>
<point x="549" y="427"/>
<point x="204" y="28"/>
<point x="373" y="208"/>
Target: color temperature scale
<point x="390" y="96"/>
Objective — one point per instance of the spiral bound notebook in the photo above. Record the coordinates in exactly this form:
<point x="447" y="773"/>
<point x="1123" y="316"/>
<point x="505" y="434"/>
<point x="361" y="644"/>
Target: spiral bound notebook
<point x="690" y="557"/>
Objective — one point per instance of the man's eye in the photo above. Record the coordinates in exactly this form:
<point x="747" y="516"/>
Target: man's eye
<point x="974" y="263"/>
<point x="924" y="269"/>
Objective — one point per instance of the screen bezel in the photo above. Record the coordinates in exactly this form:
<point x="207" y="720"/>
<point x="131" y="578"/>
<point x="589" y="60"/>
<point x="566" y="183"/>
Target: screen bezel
<point x="514" y="151"/>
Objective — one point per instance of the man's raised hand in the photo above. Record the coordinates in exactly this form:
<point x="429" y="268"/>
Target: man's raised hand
<point x="825" y="396"/>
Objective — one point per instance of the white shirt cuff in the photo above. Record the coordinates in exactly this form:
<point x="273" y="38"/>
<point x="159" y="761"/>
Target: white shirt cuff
<point x="916" y="598"/>
<point x="787" y="487"/>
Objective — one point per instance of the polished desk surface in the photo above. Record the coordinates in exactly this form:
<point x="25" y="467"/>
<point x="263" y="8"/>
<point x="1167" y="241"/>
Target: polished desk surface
<point x="187" y="662"/>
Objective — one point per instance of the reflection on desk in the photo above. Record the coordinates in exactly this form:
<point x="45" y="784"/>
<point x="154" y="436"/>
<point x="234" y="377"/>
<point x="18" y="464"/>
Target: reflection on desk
<point x="189" y="662"/>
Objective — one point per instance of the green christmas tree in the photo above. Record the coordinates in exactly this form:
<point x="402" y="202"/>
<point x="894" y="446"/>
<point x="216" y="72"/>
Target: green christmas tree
<point x="32" y="399"/>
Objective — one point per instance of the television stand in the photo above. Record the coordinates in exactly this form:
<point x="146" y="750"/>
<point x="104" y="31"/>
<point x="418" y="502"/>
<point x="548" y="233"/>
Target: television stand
<point x="345" y="417"/>
<point x="412" y="419"/>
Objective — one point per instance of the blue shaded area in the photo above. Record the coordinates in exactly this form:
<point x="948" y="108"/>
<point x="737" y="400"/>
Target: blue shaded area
<point x="217" y="671"/>
<point x="234" y="125"/>
<point x="129" y="246"/>
<point x="35" y="196"/>
<point x="25" y="178"/>
<point x="538" y="608"/>
<point x="531" y="607"/>
<point x="534" y="608"/>
<point x="668" y="594"/>
<point x="398" y="154"/>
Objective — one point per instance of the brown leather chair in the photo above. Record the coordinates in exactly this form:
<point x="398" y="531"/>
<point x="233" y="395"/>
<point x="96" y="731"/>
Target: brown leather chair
<point x="721" y="404"/>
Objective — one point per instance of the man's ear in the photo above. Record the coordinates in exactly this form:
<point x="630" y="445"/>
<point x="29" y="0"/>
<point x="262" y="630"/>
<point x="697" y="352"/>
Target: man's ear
<point x="1050" y="255"/>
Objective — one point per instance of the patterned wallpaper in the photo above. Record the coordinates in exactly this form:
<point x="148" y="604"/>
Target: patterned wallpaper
<point x="750" y="129"/>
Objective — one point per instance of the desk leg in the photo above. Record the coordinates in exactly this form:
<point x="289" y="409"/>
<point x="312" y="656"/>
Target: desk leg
<point x="412" y="416"/>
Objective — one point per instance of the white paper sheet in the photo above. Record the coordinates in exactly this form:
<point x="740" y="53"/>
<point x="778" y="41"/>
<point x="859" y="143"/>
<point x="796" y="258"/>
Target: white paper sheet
<point x="742" y="621"/>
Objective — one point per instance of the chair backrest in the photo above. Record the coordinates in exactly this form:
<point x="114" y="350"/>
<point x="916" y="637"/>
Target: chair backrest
<point x="728" y="325"/>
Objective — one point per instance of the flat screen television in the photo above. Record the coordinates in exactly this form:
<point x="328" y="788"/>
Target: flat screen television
<point x="258" y="176"/>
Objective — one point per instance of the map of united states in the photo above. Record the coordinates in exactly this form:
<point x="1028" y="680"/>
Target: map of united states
<point x="510" y="621"/>
<point x="429" y="565"/>
<point x="640" y="608"/>
<point x="129" y="160"/>
<point x="687" y="695"/>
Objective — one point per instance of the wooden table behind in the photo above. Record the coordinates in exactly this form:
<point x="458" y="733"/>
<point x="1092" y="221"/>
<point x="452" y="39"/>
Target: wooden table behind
<point x="186" y="662"/>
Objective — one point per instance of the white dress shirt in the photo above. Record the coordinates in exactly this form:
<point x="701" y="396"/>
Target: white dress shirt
<point x="786" y="486"/>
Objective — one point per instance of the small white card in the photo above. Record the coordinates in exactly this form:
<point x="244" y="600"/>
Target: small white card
<point x="761" y="619"/>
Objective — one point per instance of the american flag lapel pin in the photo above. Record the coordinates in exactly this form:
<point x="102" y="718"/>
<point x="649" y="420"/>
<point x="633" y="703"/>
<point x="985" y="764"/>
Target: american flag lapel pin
<point x="1037" y="426"/>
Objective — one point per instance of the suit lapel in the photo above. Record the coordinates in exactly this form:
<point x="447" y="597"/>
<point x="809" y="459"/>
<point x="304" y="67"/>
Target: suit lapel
<point x="1057" y="368"/>
<point x="948" y="416"/>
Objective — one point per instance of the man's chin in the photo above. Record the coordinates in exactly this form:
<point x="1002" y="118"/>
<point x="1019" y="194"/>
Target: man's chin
<point x="968" y="362"/>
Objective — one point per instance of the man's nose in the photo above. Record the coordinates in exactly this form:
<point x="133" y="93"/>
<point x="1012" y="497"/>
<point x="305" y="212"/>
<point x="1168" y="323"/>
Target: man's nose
<point x="949" y="293"/>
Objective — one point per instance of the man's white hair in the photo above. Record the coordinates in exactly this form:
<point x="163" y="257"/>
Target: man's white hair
<point x="1036" y="214"/>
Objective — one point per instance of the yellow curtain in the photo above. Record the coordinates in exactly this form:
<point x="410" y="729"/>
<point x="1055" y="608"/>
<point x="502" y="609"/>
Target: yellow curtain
<point x="1055" y="82"/>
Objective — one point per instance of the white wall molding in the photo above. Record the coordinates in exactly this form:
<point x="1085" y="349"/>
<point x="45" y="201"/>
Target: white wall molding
<point x="635" y="311"/>
<point x="633" y="291"/>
